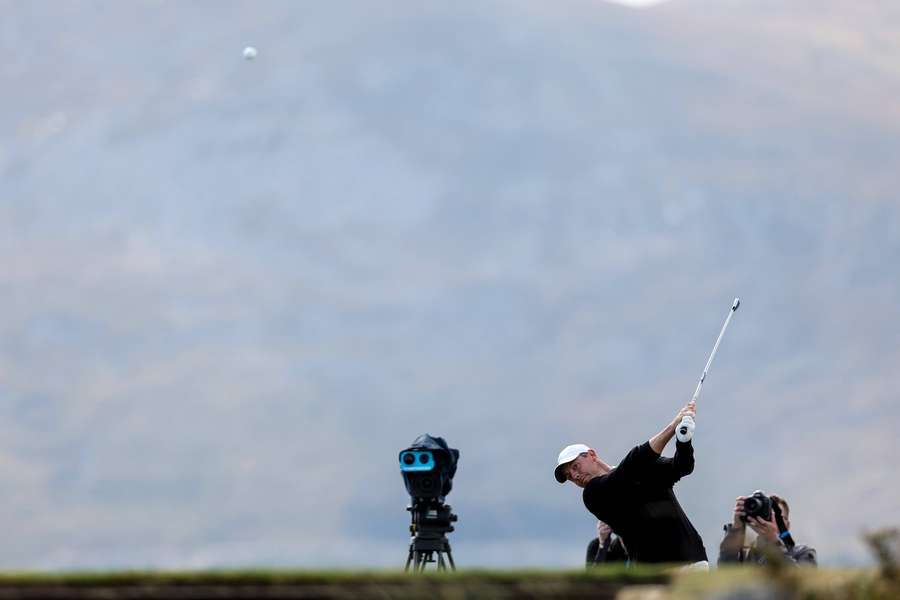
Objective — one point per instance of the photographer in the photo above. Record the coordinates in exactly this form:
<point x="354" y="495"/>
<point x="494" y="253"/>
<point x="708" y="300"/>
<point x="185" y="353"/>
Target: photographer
<point x="606" y="548"/>
<point x="636" y="499"/>
<point x="773" y="538"/>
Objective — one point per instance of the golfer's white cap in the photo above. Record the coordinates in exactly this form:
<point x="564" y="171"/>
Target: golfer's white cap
<point x="568" y="454"/>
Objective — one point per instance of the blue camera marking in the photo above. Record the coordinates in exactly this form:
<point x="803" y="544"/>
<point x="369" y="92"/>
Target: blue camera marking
<point x="416" y="460"/>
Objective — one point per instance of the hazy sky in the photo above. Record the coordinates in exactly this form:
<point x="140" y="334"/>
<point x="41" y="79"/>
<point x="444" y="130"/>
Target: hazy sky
<point x="638" y="3"/>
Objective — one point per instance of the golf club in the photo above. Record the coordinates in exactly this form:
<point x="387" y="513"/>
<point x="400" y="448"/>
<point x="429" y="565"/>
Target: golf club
<point x="685" y="430"/>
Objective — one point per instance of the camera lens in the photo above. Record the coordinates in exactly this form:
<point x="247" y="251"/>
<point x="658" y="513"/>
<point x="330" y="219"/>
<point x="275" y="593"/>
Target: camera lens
<point x="423" y="458"/>
<point x="408" y="459"/>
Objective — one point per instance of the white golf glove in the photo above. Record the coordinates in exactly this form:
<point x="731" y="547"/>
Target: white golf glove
<point x="684" y="432"/>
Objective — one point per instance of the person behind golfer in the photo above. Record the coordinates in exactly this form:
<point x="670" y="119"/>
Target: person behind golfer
<point x="636" y="499"/>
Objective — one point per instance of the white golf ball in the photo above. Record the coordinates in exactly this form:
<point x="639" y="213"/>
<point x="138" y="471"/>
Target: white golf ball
<point x="250" y="53"/>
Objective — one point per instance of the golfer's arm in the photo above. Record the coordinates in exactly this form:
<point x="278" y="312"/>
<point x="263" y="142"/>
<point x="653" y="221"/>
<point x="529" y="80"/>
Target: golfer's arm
<point x="658" y="442"/>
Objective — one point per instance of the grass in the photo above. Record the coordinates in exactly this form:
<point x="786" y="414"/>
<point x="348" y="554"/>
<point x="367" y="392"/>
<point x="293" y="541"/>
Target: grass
<point x="639" y="583"/>
<point x="617" y="574"/>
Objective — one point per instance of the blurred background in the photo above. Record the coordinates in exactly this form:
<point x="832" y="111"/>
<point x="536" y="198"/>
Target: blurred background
<point x="231" y="291"/>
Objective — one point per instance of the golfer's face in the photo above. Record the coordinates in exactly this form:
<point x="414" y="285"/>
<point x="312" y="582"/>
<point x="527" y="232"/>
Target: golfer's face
<point x="579" y="470"/>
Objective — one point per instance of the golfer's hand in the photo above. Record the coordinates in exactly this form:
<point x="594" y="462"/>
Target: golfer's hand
<point x="765" y="529"/>
<point x="737" y="521"/>
<point x="689" y="410"/>
<point x="603" y="531"/>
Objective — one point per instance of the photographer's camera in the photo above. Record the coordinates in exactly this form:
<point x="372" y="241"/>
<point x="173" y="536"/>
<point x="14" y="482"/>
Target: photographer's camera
<point x="757" y="505"/>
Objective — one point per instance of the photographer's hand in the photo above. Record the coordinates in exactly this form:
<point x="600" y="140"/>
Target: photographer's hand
<point x="767" y="530"/>
<point x="731" y="548"/>
<point x="603" y="532"/>
<point x="737" y="521"/>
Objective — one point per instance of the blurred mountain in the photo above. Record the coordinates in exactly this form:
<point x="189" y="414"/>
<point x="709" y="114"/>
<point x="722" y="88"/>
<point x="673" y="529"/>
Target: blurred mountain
<point x="231" y="291"/>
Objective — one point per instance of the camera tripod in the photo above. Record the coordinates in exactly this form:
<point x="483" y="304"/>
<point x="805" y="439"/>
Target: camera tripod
<point x="431" y="523"/>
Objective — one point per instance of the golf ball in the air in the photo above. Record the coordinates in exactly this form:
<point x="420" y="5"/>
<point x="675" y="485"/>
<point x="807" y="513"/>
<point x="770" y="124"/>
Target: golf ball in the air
<point x="249" y="52"/>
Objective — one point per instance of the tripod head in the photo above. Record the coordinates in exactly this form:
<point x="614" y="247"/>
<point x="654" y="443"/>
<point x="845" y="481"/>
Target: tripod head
<point x="432" y="520"/>
<point x="431" y="517"/>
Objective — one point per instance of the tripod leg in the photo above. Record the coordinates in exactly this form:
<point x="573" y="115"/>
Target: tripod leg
<point x="422" y="558"/>
<point x="450" y="558"/>
<point x="441" y="566"/>
<point x="409" y="558"/>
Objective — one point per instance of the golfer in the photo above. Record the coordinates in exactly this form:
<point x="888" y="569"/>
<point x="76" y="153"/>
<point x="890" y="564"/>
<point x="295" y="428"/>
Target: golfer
<point x="636" y="499"/>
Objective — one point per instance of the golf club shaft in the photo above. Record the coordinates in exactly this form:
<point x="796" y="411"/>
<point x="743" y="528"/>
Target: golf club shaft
<point x="685" y="430"/>
<point x="712" y="355"/>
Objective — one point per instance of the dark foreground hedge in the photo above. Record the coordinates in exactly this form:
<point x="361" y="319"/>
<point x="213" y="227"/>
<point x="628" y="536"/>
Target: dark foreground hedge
<point x="632" y="584"/>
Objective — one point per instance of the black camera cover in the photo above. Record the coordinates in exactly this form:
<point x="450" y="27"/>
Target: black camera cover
<point x="436" y="483"/>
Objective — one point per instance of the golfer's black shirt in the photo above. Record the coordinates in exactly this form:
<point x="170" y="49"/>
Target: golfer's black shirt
<point x="636" y="500"/>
